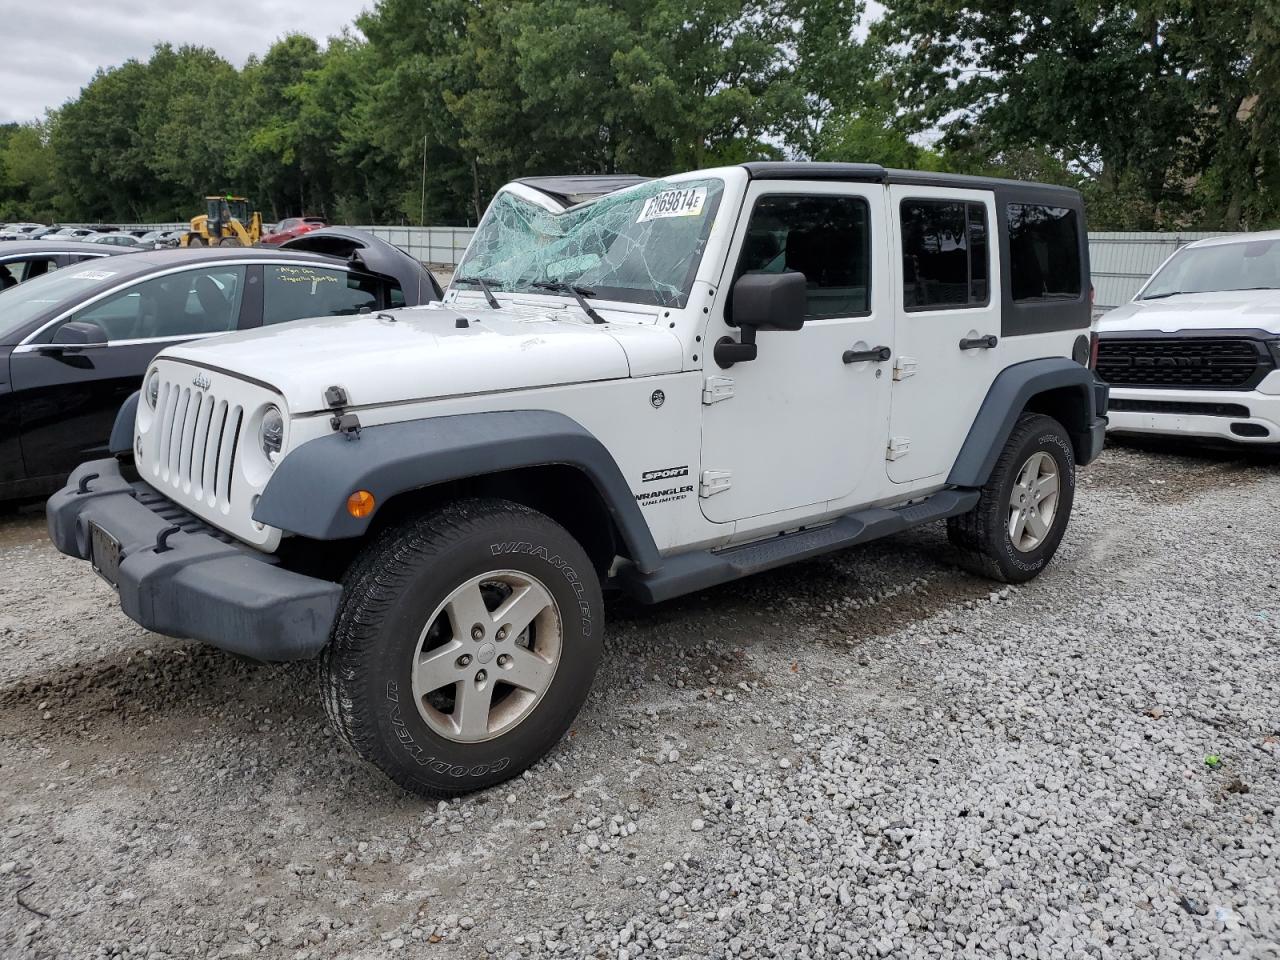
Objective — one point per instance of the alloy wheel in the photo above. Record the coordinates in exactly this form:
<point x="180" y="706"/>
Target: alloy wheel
<point x="1033" y="502"/>
<point x="486" y="656"/>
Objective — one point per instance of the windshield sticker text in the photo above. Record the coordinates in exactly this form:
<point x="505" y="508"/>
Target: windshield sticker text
<point x="93" y="275"/>
<point x="674" y="203"/>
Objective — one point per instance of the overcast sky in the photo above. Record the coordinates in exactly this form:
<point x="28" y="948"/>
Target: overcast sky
<point x="53" y="47"/>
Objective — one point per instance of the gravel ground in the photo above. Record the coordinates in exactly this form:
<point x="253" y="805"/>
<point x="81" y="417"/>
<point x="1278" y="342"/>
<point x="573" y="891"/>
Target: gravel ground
<point x="870" y="755"/>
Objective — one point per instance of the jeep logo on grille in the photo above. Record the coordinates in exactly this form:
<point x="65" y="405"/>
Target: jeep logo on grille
<point x="200" y="382"/>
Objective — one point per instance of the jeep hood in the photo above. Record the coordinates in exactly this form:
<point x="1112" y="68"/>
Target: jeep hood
<point x="422" y="353"/>
<point x="1228" y="309"/>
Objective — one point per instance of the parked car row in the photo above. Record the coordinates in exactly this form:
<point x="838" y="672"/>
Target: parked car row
<point x="102" y="233"/>
<point x="79" y="324"/>
<point x="282" y="232"/>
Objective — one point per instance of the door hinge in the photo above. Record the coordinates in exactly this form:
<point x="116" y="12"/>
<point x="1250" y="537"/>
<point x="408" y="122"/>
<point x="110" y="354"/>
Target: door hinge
<point x="898" y="448"/>
<point x="717" y="389"/>
<point x="714" y="481"/>
<point x="904" y="367"/>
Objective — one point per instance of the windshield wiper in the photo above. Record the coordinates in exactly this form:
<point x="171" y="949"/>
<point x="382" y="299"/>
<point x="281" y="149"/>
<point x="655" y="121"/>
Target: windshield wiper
<point x="579" y="293"/>
<point x="483" y="284"/>
<point x="1171" y="293"/>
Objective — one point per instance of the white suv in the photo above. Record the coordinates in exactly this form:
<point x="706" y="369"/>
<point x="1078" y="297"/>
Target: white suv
<point x="1197" y="352"/>
<point x="661" y="389"/>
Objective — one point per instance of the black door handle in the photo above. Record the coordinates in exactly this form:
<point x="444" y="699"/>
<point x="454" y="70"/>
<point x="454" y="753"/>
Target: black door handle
<point x="878" y="354"/>
<point x="980" y="343"/>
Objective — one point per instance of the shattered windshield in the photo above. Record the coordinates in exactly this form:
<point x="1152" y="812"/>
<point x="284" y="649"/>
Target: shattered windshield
<point x="641" y="245"/>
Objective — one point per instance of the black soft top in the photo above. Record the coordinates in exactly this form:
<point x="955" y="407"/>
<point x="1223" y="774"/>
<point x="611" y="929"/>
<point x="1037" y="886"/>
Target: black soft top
<point x="874" y="173"/>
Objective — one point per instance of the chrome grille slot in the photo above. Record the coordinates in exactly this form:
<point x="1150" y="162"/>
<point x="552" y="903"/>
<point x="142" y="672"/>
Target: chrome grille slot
<point x="212" y="444"/>
<point x="226" y="458"/>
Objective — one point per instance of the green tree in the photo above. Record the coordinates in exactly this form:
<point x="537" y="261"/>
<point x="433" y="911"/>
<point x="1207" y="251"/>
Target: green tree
<point x="28" y="187"/>
<point x="286" y="167"/>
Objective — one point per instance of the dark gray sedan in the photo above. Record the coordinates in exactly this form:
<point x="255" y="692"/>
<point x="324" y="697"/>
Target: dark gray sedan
<point x="75" y="343"/>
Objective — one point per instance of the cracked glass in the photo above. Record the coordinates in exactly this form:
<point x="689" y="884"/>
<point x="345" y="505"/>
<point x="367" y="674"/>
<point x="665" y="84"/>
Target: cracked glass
<point x="640" y="245"/>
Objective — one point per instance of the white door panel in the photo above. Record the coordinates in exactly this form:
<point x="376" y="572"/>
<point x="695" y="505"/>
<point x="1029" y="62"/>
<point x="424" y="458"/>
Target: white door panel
<point x="940" y="386"/>
<point x="801" y="426"/>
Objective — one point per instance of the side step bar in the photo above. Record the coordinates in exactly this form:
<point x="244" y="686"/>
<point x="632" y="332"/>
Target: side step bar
<point x="689" y="572"/>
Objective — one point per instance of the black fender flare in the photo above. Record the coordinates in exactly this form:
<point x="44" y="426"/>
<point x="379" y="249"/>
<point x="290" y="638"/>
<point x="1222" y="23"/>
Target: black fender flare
<point x="122" y="430"/>
<point x="1008" y="397"/>
<point x="307" y="494"/>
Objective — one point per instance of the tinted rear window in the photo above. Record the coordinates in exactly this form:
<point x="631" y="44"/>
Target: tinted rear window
<point x="1044" y="252"/>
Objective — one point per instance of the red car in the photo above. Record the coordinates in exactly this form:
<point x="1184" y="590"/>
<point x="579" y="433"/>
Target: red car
<point x="292" y="227"/>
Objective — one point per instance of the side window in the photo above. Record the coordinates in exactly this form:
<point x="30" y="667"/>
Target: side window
<point x="1044" y="252"/>
<point x="293" y="292"/>
<point x="827" y="238"/>
<point x="19" y="271"/>
<point x="944" y="254"/>
<point x="177" y="305"/>
<point x="395" y="296"/>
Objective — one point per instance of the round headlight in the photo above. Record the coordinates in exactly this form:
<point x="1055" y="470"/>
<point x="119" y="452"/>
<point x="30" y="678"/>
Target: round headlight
<point x="271" y="432"/>
<point x="153" y="389"/>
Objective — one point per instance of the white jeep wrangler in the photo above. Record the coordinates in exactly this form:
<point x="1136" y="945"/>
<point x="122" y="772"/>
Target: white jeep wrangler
<point x="663" y="388"/>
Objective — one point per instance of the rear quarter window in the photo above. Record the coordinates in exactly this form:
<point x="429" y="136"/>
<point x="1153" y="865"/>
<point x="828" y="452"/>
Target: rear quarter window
<point x="1044" y="252"/>
<point x="293" y="292"/>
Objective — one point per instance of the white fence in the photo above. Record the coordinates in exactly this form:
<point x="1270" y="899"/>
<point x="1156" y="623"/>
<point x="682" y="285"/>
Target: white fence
<point x="1120" y="262"/>
<point x="443" y="245"/>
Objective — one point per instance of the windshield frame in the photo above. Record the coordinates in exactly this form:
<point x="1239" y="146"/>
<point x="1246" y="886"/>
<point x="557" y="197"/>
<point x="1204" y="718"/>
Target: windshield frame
<point x="717" y="190"/>
<point x="1180" y="256"/>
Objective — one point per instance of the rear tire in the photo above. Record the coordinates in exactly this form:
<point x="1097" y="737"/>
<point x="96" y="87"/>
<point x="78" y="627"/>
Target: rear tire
<point x="195" y="240"/>
<point x="1028" y="496"/>
<point x="465" y="645"/>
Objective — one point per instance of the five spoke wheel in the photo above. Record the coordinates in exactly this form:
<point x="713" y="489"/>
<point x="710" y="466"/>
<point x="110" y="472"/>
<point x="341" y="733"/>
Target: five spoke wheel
<point x="486" y="656"/>
<point x="1034" y="501"/>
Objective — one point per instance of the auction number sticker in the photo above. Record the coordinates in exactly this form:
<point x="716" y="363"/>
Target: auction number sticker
<point x="674" y="203"/>
<point x="93" y="275"/>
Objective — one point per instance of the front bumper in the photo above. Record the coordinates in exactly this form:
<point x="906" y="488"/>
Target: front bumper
<point x="1244" y="417"/>
<point x="201" y="587"/>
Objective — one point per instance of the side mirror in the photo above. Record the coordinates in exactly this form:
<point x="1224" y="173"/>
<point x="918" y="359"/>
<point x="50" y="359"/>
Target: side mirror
<point x="770" y="301"/>
<point x="762" y="301"/>
<point x="80" y="333"/>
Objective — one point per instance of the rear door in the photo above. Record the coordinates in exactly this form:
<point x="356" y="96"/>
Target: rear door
<point x="68" y="396"/>
<point x="947" y="292"/>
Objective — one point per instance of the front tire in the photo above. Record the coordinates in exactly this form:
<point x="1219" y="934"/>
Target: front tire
<point x="1023" y="510"/>
<point x="465" y="645"/>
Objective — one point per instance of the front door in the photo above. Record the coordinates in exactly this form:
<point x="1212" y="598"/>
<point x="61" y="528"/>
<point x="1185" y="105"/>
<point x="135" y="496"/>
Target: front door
<point x="798" y="427"/>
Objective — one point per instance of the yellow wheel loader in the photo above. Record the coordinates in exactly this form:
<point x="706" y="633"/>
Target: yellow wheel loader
<point x="228" y="223"/>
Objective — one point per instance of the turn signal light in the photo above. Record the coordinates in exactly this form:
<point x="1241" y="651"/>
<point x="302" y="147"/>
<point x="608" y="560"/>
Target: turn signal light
<point x="360" y="504"/>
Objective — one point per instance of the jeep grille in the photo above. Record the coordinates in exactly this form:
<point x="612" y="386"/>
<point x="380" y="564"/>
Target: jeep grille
<point x="193" y="446"/>
<point x="1188" y="362"/>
